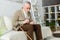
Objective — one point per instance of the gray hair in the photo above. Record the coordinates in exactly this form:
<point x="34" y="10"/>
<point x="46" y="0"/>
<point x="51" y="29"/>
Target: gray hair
<point x="27" y="3"/>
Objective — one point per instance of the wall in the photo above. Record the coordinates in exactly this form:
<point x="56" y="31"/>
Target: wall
<point x="7" y="8"/>
<point x="50" y="2"/>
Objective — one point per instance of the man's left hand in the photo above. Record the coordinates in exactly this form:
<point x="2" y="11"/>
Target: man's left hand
<point x="32" y="22"/>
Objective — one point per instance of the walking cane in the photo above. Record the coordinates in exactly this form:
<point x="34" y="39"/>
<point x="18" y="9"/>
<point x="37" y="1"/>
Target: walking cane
<point x="23" y="31"/>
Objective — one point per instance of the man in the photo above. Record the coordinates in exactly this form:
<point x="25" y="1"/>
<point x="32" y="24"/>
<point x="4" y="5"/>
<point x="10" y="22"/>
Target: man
<point x="23" y="16"/>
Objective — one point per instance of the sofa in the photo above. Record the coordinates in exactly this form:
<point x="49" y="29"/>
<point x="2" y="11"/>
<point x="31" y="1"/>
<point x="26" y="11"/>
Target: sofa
<point x="9" y="33"/>
<point x="20" y="35"/>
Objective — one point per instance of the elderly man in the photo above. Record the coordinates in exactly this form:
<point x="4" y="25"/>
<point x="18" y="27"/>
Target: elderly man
<point x="23" y="16"/>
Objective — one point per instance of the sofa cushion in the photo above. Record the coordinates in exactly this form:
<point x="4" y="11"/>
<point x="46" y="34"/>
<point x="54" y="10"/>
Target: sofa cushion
<point x="3" y="28"/>
<point x="52" y="38"/>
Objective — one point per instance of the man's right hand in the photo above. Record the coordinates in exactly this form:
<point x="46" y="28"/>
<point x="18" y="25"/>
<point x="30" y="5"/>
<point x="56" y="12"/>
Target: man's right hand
<point x="26" y="21"/>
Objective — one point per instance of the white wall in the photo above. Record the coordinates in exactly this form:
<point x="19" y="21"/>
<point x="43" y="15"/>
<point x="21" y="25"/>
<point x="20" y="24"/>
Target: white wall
<point x="7" y="8"/>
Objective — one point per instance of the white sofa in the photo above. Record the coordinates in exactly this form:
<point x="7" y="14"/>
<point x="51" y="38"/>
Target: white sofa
<point x="13" y="35"/>
<point x="19" y="35"/>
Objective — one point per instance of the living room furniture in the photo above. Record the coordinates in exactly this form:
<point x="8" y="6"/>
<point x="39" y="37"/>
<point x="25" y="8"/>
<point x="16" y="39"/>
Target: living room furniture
<point x="11" y="34"/>
<point x="56" y="34"/>
<point x="47" y="34"/>
<point x="20" y="35"/>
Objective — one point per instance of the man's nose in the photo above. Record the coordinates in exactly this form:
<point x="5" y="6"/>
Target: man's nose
<point x="28" y="9"/>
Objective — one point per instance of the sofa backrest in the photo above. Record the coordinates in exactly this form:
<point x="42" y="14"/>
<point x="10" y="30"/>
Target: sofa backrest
<point x="8" y="22"/>
<point x="3" y="28"/>
<point x="46" y="32"/>
<point x="5" y="25"/>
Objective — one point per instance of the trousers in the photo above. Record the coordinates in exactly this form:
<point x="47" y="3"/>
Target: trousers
<point x="30" y="28"/>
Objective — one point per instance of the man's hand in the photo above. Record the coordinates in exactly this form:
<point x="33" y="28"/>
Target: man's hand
<point x="26" y="21"/>
<point x="32" y="22"/>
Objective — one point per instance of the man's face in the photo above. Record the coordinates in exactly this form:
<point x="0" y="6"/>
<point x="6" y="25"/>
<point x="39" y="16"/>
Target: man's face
<point x="27" y="7"/>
